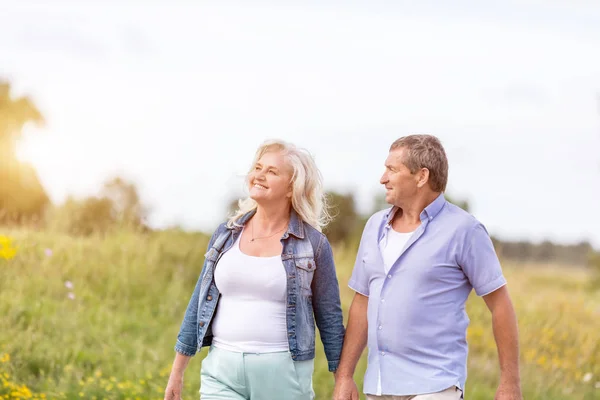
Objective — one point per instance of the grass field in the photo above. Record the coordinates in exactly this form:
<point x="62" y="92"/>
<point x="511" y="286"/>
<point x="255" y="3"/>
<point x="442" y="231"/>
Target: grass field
<point x="97" y="319"/>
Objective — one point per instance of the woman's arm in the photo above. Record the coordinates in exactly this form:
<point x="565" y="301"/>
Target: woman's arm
<point x="327" y="305"/>
<point x="175" y="384"/>
<point x="187" y="338"/>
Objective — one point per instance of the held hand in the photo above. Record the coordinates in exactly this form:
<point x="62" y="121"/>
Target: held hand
<point x="345" y="389"/>
<point x="174" y="388"/>
<point x="509" y="391"/>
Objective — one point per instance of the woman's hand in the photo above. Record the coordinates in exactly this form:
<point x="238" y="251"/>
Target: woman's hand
<point x="175" y="384"/>
<point x="174" y="387"/>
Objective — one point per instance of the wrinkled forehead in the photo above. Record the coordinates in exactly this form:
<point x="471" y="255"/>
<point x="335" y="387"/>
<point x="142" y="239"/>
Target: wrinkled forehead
<point x="396" y="157"/>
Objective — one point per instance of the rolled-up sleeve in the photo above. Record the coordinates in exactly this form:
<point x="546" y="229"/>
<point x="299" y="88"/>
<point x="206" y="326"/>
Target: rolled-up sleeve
<point x="359" y="281"/>
<point x="480" y="262"/>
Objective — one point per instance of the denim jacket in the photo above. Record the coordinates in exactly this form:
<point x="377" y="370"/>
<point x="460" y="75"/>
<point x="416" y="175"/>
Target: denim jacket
<point x="312" y="293"/>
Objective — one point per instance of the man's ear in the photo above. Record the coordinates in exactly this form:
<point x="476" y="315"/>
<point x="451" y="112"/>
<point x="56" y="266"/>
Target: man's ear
<point x="422" y="177"/>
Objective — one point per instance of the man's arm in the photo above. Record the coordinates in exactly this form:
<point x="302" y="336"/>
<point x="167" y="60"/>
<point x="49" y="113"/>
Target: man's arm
<point x="504" y="324"/>
<point x="355" y="342"/>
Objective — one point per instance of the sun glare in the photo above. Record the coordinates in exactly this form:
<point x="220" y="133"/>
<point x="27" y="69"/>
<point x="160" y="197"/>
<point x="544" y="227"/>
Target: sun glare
<point x="35" y="146"/>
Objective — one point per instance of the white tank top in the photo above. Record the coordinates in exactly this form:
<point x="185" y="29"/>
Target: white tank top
<point x="251" y="314"/>
<point x="392" y="247"/>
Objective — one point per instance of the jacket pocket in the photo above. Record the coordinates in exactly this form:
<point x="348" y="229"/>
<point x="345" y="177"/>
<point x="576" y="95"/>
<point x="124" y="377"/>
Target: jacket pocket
<point x="305" y="270"/>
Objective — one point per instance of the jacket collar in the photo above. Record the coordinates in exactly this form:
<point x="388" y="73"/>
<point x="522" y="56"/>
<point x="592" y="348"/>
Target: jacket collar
<point x="295" y="226"/>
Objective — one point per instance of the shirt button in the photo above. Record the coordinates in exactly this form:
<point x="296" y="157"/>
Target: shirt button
<point x="380" y="327"/>
<point x="383" y="353"/>
<point x="383" y="300"/>
<point x="390" y="275"/>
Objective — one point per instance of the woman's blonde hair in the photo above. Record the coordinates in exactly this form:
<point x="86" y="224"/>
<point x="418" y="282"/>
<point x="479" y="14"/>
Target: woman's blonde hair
<point x="308" y="197"/>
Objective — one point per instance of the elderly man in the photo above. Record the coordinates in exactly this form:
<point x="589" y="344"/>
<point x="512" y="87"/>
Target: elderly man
<point x="416" y="265"/>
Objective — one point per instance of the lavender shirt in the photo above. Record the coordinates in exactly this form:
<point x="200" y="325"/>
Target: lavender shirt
<point x="416" y="315"/>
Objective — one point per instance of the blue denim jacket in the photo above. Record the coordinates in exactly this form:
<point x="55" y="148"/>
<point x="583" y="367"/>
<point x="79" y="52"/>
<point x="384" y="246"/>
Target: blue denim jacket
<point x="312" y="293"/>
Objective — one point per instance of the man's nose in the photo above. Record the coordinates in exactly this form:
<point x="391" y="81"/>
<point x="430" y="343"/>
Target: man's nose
<point x="383" y="180"/>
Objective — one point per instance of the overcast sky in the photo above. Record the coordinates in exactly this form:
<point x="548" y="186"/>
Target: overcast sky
<point x="178" y="95"/>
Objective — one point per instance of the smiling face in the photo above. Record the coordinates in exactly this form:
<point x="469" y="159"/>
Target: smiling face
<point x="270" y="179"/>
<point x="400" y="184"/>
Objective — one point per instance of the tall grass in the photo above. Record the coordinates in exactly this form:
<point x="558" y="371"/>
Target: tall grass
<point x="97" y="318"/>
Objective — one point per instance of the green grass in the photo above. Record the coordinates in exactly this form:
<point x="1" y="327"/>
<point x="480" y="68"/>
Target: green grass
<point x="115" y="339"/>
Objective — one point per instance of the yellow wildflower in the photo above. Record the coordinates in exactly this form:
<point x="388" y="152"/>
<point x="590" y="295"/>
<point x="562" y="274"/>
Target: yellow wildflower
<point x="7" y="251"/>
<point x="5" y="241"/>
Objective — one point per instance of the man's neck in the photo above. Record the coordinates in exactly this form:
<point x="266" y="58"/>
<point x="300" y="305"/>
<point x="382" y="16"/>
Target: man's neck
<point x="409" y="212"/>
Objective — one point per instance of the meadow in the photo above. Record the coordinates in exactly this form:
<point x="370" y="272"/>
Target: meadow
<point x="97" y="318"/>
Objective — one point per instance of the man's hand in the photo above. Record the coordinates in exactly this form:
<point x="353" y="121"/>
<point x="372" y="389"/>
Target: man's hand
<point x="345" y="389"/>
<point x="354" y="343"/>
<point x="509" y="391"/>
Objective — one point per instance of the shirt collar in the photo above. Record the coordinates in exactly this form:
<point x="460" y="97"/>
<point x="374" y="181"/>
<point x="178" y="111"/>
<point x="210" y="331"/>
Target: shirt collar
<point x="434" y="208"/>
<point x="429" y="213"/>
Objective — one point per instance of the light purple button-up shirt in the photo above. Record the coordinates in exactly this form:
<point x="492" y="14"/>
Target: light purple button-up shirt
<point x="416" y="313"/>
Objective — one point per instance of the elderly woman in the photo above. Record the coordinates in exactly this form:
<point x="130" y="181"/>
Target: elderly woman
<point x="268" y="276"/>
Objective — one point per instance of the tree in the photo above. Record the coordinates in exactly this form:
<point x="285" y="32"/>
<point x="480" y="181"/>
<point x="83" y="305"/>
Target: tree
<point x="117" y="205"/>
<point x="126" y="205"/>
<point x="14" y="114"/>
<point x="22" y="196"/>
<point x="464" y="204"/>
<point x="379" y="203"/>
<point x="345" y="217"/>
<point x="91" y="215"/>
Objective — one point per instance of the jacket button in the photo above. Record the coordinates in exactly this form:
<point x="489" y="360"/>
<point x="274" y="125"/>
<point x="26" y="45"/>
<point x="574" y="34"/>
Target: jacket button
<point x="309" y="265"/>
<point x="209" y="298"/>
<point x="201" y="323"/>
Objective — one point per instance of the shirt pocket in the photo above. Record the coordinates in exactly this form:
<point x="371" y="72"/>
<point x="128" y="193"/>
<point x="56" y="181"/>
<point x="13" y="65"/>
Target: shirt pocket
<point x="373" y="262"/>
<point x="305" y="270"/>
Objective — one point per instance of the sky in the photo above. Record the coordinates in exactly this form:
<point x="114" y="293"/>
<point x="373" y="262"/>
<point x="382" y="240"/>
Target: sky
<point x="177" y="96"/>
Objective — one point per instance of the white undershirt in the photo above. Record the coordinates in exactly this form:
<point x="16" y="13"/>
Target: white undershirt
<point x="251" y="314"/>
<point x="391" y="248"/>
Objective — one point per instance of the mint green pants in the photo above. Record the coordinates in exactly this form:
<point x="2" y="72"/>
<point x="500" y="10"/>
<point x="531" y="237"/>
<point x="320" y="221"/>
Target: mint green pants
<point x="228" y="375"/>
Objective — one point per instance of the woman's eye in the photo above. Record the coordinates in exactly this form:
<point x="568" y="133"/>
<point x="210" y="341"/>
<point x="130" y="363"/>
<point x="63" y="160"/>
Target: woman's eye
<point x="273" y="172"/>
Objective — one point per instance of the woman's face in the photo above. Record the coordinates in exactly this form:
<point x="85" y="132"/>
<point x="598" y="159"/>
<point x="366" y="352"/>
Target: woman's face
<point x="270" y="179"/>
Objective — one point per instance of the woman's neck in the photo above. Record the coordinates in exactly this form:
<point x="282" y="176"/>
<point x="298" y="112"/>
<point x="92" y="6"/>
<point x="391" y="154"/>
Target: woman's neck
<point x="269" y="219"/>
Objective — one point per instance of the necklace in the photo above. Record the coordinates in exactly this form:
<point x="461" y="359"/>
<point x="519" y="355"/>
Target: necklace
<point x="264" y="237"/>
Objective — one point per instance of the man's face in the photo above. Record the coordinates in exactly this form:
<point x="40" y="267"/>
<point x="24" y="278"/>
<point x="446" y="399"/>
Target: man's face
<point x="399" y="182"/>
